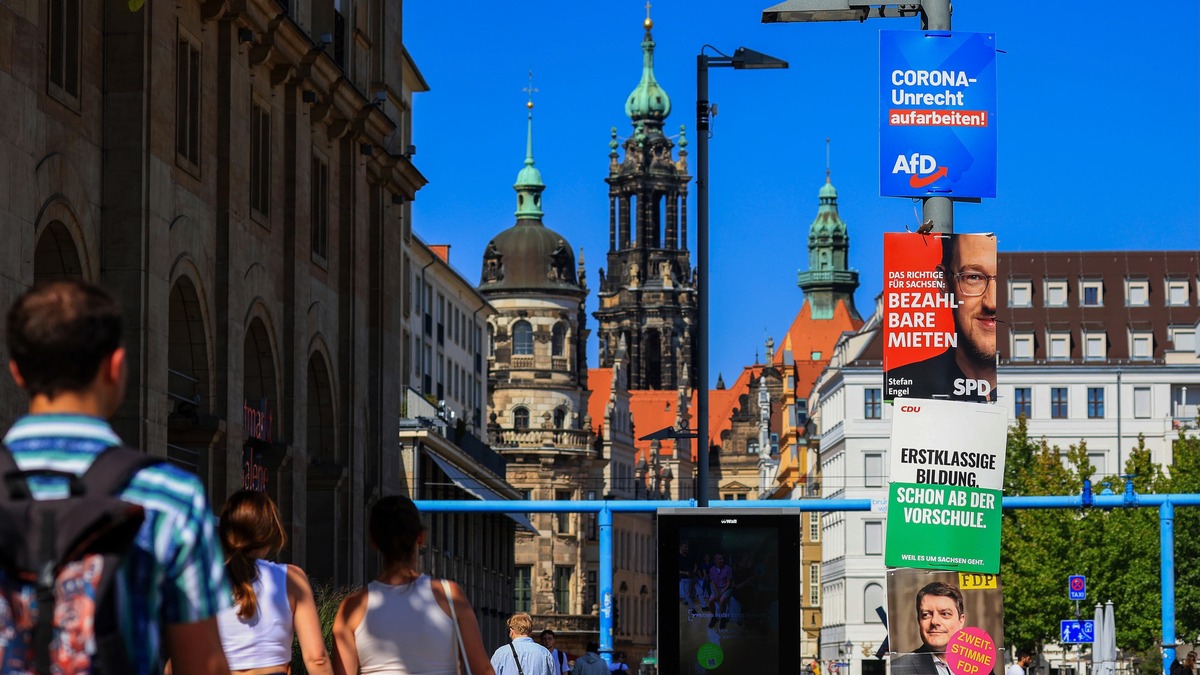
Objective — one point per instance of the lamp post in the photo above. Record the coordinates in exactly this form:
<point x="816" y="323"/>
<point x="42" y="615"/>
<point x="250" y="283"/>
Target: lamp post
<point x="742" y="59"/>
<point x="935" y="15"/>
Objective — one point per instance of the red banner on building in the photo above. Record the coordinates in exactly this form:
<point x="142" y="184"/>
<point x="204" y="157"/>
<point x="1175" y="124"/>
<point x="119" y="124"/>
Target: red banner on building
<point x="939" y="311"/>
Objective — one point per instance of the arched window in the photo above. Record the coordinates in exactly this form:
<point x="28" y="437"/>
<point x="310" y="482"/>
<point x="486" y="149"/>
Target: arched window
<point x="752" y="447"/>
<point x="873" y="596"/>
<point x="491" y="340"/>
<point x="557" y="337"/>
<point x="521" y="418"/>
<point x="522" y="338"/>
<point x="560" y="418"/>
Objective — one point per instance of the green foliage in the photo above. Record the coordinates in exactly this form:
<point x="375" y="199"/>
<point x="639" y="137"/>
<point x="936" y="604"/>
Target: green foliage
<point x="1118" y="550"/>
<point x="328" y="597"/>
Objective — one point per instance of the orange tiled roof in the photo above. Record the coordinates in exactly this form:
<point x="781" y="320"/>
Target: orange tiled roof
<point x="807" y="335"/>
<point x="442" y="251"/>
<point x="600" y="384"/>
<point x="653" y="410"/>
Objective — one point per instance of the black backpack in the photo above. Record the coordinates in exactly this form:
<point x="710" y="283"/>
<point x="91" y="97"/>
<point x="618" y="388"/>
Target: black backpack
<point x="58" y="558"/>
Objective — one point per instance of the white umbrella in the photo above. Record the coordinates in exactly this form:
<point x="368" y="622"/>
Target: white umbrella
<point x="1110" y="639"/>
<point x="1098" y="642"/>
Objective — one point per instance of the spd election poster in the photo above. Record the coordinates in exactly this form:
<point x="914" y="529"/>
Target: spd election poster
<point x="947" y="474"/>
<point x="939" y="307"/>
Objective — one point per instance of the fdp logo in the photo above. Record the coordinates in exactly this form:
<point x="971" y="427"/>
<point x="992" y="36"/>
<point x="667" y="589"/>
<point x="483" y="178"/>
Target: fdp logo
<point x="922" y="170"/>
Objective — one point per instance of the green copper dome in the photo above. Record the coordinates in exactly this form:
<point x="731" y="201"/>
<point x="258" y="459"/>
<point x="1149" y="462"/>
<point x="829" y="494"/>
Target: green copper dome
<point x="648" y="100"/>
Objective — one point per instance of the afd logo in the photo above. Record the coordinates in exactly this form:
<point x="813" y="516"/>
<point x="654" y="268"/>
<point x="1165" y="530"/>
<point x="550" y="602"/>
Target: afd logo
<point x="922" y="170"/>
<point x="910" y="408"/>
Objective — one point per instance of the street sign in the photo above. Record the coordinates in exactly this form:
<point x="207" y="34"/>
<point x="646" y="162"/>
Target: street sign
<point x="937" y="114"/>
<point x="1074" y="631"/>
<point x="1077" y="587"/>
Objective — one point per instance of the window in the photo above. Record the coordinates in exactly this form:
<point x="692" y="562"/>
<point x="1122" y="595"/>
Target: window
<point x="260" y="161"/>
<point x="589" y="592"/>
<point x="1060" y="346"/>
<point x="1141" y="344"/>
<point x="522" y="590"/>
<point x="1099" y="461"/>
<point x="319" y="213"/>
<point x="1092" y="291"/>
<point x="557" y="337"/>
<point x="873" y="470"/>
<point x="1058" y="402"/>
<point x="1022" y="402"/>
<point x="1095" y="403"/>
<point x="752" y="447"/>
<point x="1020" y="294"/>
<point x="63" y="47"/>
<point x="1177" y="292"/>
<point x="521" y="419"/>
<point x="563" y="519"/>
<point x="1056" y="293"/>
<point x="560" y="418"/>
<point x="814" y="526"/>
<point x="1022" y="346"/>
<point x="1137" y="292"/>
<point x="187" y="102"/>
<point x="1141" y="402"/>
<point x="1093" y="346"/>
<point x="522" y="338"/>
<point x="814" y="584"/>
<point x="873" y="599"/>
<point x="873" y="542"/>
<point x="562" y="588"/>
<point x="872" y="406"/>
<point x="1182" y="337"/>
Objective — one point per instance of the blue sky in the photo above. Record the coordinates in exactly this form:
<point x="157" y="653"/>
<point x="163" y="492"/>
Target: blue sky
<point x="1097" y="116"/>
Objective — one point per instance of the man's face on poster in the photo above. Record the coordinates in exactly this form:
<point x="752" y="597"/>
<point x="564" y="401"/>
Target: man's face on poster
<point x="939" y="618"/>
<point x="971" y="279"/>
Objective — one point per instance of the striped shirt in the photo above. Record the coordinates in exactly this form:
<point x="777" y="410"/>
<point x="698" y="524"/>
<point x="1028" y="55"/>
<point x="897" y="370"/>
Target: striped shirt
<point x="175" y="572"/>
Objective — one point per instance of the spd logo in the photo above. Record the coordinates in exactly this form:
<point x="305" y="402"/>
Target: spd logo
<point x="922" y="170"/>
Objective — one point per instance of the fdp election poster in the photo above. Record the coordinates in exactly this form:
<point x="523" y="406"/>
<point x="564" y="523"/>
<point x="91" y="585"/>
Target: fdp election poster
<point x="947" y="474"/>
<point x="939" y="307"/>
<point x="937" y="105"/>
<point x="957" y="616"/>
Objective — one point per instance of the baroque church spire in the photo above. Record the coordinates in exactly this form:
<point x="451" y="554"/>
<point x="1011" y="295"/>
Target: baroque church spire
<point x="529" y="185"/>
<point x="828" y="278"/>
<point x="648" y="105"/>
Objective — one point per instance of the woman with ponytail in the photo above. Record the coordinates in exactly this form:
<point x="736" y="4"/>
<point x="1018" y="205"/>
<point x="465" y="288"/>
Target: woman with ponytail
<point x="404" y="622"/>
<point x="271" y="601"/>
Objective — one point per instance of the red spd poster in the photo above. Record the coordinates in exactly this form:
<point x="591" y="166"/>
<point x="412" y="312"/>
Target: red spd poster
<point x="939" y="310"/>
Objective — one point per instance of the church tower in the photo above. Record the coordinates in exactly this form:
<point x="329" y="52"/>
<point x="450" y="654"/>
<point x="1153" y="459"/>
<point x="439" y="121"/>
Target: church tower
<point x="828" y="278"/>
<point x="648" y="294"/>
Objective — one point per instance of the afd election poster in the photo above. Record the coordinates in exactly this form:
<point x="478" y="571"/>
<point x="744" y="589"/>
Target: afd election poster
<point x="939" y="308"/>
<point x="947" y="476"/>
<point x="937" y="114"/>
<point x="954" y="617"/>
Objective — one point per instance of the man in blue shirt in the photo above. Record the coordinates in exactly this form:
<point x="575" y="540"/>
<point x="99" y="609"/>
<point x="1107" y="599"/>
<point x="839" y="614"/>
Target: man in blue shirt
<point x="64" y="342"/>
<point x="522" y="656"/>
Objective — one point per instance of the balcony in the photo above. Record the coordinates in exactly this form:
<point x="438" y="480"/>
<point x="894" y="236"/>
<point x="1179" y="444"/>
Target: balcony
<point x="418" y="414"/>
<point x="569" y="623"/>
<point x="541" y="438"/>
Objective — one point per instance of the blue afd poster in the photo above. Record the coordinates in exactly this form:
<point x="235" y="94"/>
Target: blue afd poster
<point x="937" y="114"/>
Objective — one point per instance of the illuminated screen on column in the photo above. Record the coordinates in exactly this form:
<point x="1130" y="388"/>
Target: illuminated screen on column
<point x="729" y="599"/>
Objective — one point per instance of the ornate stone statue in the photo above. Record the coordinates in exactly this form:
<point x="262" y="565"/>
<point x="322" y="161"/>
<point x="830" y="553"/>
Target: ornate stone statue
<point x="664" y="271"/>
<point x="635" y="274"/>
<point x="493" y="264"/>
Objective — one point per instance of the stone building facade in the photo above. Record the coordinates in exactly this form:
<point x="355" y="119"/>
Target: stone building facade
<point x="647" y="296"/>
<point x="237" y="174"/>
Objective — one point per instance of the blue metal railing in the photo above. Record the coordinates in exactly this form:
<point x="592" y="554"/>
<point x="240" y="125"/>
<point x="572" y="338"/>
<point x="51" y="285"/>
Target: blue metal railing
<point x="1165" y="503"/>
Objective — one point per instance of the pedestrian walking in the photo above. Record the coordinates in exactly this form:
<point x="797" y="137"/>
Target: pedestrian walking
<point x="618" y="665"/>
<point x="1018" y="667"/>
<point x="404" y="621"/>
<point x="591" y="663"/>
<point x="66" y="352"/>
<point x="522" y="656"/>
<point x="273" y="602"/>
<point x="558" y="656"/>
<point x="1186" y="667"/>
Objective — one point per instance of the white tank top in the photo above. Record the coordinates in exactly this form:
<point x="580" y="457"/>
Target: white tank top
<point x="405" y="632"/>
<point x="266" y="639"/>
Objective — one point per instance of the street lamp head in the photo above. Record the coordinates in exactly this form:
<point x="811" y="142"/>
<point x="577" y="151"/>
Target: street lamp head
<point x="748" y="59"/>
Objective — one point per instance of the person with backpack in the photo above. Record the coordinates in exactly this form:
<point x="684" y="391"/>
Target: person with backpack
<point x="404" y="621"/>
<point x="142" y="573"/>
<point x="557" y="655"/>
<point x="273" y="602"/>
